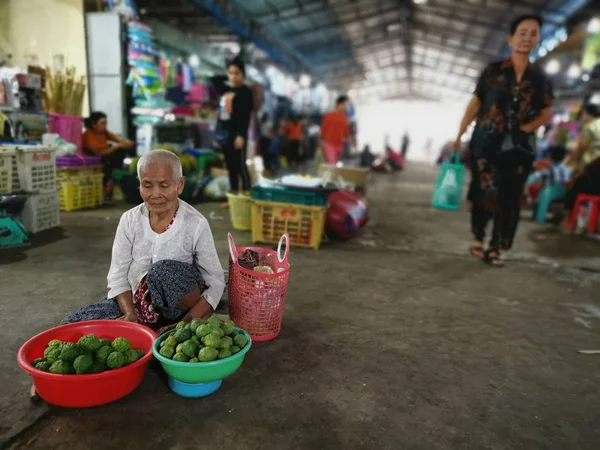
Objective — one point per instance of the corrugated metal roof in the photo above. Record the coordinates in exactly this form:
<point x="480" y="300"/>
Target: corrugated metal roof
<point x="425" y="48"/>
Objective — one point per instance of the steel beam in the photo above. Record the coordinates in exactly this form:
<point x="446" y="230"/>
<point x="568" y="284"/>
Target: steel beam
<point x="335" y="26"/>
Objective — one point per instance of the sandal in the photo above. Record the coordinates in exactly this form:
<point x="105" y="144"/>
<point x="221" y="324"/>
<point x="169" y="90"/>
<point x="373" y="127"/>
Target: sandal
<point x="492" y="257"/>
<point x="476" y="250"/>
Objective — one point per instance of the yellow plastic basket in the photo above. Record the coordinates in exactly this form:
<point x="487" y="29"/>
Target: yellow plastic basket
<point x="240" y="211"/>
<point x="81" y="191"/>
<point x="304" y="224"/>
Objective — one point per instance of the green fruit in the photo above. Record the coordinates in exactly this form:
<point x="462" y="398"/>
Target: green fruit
<point x="240" y="340"/>
<point x="115" y="360"/>
<point x="226" y="342"/>
<point x="97" y="367"/>
<point x="60" y="367"/>
<point x="52" y="354"/>
<point x="69" y="352"/>
<point x="43" y="365"/>
<point x="54" y="343"/>
<point x="180" y="325"/>
<point x="170" y="341"/>
<point x="179" y="348"/>
<point x="37" y="360"/>
<point x="195" y="339"/>
<point x="82" y="364"/>
<point x="224" y="353"/>
<point x="234" y="349"/>
<point x="181" y="357"/>
<point x="102" y="354"/>
<point x="182" y="335"/>
<point x="208" y="354"/>
<point x="215" y="321"/>
<point x="203" y="330"/>
<point x="104" y="342"/>
<point x="227" y="327"/>
<point x="121" y="344"/>
<point x="212" y="340"/>
<point x="167" y="351"/>
<point x="194" y="360"/>
<point x="89" y="343"/>
<point x="194" y="324"/>
<point x="131" y="356"/>
<point x="189" y="348"/>
<point x="140" y="353"/>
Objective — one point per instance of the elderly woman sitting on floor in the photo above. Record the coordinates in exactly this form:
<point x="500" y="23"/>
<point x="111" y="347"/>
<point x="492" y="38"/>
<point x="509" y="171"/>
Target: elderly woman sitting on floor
<point x="164" y="264"/>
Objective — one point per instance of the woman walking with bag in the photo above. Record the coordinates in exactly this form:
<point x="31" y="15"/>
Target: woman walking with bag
<point x="511" y="101"/>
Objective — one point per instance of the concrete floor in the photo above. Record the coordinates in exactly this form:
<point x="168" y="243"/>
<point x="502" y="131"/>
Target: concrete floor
<point x="394" y="340"/>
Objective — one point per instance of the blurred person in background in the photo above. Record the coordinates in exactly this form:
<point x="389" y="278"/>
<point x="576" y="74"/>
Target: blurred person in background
<point x="266" y="134"/>
<point x="585" y="162"/>
<point x="404" y="145"/>
<point x="335" y="131"/>
<point x="511" y="101"/>
<point x="556" y="172"/>
<point x="271" y="154"/>
<point x="97" y="140"/>
<point x="237" y="103"/>
<point x="294" y="132"/>
<point x="367" y="158"/>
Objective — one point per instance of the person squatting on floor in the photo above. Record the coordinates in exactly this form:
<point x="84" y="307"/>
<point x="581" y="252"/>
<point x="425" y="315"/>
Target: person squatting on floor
<point x="164" y="265"/>
<point x="232" y="126"/>
<point x="511" y="101"/>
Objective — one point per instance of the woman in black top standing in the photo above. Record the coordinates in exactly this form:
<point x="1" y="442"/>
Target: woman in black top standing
<point x="234" y="120"/>
<point x="512" y="100"/>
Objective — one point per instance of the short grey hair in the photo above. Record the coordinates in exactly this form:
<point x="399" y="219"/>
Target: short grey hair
<point x="161" y="157"/>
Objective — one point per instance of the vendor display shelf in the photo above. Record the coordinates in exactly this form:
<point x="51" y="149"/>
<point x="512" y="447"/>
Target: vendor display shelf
<point x="304" y="224"/>
<point x="41" y="212"/>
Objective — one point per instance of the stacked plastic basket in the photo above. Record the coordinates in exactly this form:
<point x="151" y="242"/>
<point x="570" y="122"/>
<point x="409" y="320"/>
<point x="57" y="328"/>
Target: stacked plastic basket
<point x="80" y="181"/>
<point x="298" y="213"/>
<point x="33" y="171"/>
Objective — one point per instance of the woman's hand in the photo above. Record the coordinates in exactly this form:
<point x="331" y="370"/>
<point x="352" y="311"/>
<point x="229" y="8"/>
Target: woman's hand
<point x="126" y="144"/>
<point x="239" y="142"/>
<point x="129" y="317"/>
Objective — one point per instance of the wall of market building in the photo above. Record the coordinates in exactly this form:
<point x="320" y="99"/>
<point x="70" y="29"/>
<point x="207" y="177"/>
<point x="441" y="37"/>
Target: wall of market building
<point x="51" y="31"/>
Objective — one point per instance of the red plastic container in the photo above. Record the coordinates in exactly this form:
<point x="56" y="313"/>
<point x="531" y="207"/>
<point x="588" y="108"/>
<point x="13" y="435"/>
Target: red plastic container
<point x="70" y="128"/>
<point x="82" y="391"/>
<point x="257" y="300"/>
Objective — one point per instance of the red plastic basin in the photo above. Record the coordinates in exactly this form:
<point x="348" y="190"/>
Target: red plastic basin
<point x="82" y="391"/>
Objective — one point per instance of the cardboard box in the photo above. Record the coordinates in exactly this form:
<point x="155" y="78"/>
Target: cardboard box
<point x="355" y="175"/>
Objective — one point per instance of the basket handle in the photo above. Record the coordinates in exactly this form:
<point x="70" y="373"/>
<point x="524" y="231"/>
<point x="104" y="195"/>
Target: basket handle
<point x="285" y="237"/>
<point x="232" y="248"/>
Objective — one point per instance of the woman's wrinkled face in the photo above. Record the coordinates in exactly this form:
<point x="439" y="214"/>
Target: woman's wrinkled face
<point x="159" y="189"/>
<point x="101" y="125"/>
<point x="526" y="37"/>
<point x="235" y="75"/>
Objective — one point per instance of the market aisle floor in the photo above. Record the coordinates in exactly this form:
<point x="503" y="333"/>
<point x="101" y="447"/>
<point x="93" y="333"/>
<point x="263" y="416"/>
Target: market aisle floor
<point x="394" y="340"/>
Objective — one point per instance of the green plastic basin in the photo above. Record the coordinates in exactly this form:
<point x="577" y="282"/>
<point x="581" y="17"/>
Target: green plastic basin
<point x="201" y="372"/>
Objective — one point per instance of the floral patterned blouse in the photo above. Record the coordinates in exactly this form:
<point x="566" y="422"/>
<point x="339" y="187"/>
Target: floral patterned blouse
<point x="506" y="105"/>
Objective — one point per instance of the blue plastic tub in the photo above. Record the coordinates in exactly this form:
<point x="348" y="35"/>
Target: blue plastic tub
<point x="193" y="390"/>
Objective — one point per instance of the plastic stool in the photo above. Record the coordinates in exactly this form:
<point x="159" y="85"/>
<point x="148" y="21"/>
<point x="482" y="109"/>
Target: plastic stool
<point x="548" y="194"/>
<point x="594" y="201"/>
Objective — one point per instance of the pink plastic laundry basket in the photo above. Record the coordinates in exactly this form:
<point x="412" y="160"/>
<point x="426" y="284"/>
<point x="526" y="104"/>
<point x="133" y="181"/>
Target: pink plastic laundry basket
<point x="70" y="128"/>
<point x="257" y="300"/>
